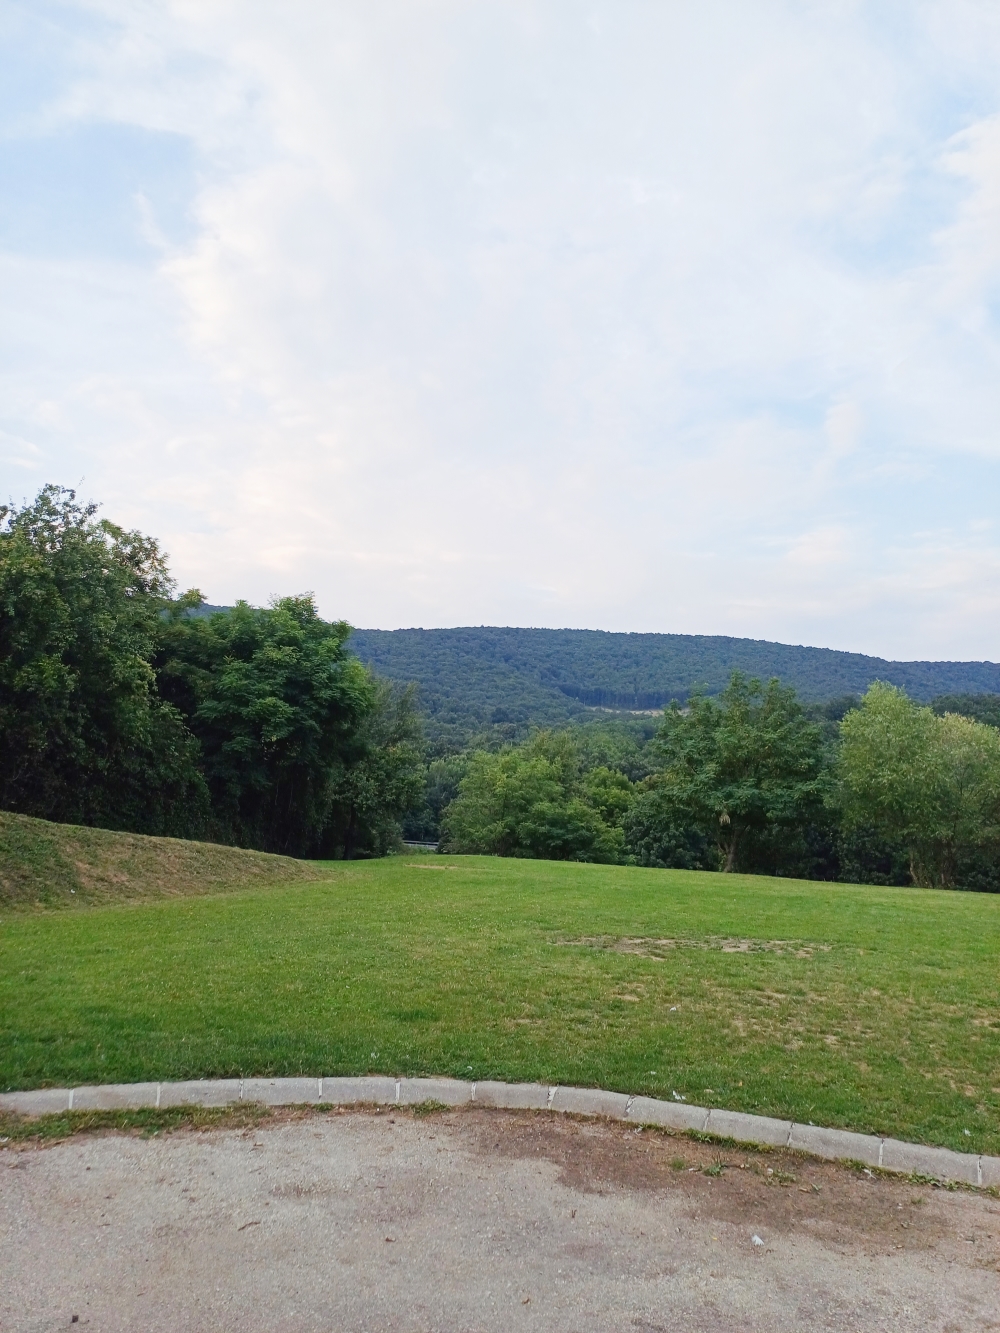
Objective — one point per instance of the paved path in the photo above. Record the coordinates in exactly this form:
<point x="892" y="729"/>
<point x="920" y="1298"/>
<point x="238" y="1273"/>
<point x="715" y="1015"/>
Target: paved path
<point x="476" y="1220"/>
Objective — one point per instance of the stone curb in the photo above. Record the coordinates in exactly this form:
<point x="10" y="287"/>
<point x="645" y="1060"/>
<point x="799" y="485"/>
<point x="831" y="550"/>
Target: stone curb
<point x="834" y="1144"/>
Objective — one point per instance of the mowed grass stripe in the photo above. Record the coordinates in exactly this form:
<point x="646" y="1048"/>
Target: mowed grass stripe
<point x="878" y="1010"/>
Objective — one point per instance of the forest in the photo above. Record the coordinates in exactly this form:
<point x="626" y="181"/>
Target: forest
<point x="496" y="682"/>
<point x="124" y="705"/>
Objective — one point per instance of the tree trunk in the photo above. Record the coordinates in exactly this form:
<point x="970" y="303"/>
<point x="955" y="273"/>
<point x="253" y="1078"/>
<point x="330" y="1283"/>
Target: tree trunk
<point x="730" y="860"/>
<point x="349" y="836"/>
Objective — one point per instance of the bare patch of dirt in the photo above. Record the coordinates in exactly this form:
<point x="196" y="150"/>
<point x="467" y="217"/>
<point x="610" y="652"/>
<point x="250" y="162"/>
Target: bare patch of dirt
<point x="783" y="1192"/>
<point x="644" y="947"/>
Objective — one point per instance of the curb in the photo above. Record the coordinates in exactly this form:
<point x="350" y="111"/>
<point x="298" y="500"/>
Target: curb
<point x="833" y="1144"/>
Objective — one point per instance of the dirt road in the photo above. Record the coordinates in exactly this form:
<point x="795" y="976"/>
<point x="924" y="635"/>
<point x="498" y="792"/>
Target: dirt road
<point x="474" y="1221"/>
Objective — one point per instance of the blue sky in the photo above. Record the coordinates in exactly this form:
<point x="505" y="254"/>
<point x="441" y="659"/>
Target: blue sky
<point x="648" y="316"/>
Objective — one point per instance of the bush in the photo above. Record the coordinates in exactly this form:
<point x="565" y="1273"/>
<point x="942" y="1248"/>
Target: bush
<point x="529" y="801"/>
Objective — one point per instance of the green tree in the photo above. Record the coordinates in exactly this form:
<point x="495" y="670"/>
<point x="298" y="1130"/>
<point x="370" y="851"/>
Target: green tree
<point x="386" y="779"/>
<point x="660" y="831"/>
<point x="441" y="781"/>
<point x="609" y="792"/>
<point x="529" y="801"/>
<point x="279" y="707"/>
<point x="931" y="783"/>
<point x="84" y="737"/>
<point x="745" y="768"/>
<point x="980" y="707"/>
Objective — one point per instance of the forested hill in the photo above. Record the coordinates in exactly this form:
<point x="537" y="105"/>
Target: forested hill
<point x="482" y="676"/>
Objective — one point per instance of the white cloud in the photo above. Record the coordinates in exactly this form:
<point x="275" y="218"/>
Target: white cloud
<point x="643" y="317"/>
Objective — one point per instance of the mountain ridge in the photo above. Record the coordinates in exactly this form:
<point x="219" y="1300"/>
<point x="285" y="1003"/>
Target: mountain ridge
<point x="481" y="676"/>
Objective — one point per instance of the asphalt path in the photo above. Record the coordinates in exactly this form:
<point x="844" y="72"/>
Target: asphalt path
<point x="477" y="1220"/>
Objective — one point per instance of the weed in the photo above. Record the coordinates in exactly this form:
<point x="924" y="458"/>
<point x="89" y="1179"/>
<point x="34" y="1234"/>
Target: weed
<point x="781" y="1178"/>
<point x="429" y="1107"/>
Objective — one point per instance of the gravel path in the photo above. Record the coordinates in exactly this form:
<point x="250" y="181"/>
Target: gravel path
<point x="477" y="1220"/>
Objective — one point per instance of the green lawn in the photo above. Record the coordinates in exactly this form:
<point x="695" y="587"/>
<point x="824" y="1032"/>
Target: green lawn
<point x="880" y="1011"/>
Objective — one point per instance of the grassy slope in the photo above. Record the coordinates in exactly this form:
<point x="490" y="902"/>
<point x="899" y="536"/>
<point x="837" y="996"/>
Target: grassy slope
<point x="47" y="865"/>
<point x="882" y="1015"/>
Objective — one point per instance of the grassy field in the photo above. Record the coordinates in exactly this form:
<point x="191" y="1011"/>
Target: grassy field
<point x="872" y="1009"/>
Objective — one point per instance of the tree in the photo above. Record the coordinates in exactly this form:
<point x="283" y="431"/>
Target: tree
<point x="84" y="737"/>
<point x="610" y="793"/>
<point x="441" y="781"/>
<point x="660" y="831"/>
<point x="279" y="707"/>
<point x="932" y="783"/>
<point x="980" y="707"/>
<point x="529" y="801"/>
<point x="386" y="779"/>
<point x="122" y="708"/>
<point x="745" y="768"/>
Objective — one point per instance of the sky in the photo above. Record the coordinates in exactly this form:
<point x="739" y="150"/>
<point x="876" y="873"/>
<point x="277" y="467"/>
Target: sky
<point x="627" y="316"/>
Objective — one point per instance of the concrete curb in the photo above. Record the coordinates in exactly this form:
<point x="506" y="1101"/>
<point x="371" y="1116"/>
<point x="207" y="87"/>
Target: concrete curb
<point x="834" y="1144"/>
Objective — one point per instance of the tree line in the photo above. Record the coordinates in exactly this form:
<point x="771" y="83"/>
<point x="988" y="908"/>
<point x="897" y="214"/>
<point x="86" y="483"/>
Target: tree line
<point x="119" y="708"/>
<point x="891" y="793"/>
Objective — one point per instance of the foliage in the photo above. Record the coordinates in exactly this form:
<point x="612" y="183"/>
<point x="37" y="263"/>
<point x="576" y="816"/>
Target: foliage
<point x="619" y="743"/>
<point x="282" y="712"/>
<point x="931" y="783"/>
<point x="84" y="736"/>
<point x="980" y="707"/>
<point x="532" y="801"/>
<point x="480" y="687"/>
<point x="610" y="793"/>
<point x="441" y="782"/>
<point x="659" y="831"/>
<point x="865" y="855"/>
<point x="122" y="709"/>
<point x="743" y="768"/>
<point x="385" y="781"/>
<point x="742" y="780"/>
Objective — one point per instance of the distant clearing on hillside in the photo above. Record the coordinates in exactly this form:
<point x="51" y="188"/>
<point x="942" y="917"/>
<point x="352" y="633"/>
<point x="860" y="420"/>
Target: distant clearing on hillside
<point x="53" y="865"/>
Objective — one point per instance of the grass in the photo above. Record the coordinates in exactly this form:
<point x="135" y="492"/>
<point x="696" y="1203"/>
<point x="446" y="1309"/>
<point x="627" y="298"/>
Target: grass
<point x="866" y="1008"/>
<point x="15" y="1129"/>
<point x="66" y="865"/>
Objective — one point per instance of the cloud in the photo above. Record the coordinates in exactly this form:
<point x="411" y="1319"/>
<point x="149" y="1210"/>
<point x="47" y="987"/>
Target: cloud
<point x="641" y="316"/>
<point x="19" y="453"/>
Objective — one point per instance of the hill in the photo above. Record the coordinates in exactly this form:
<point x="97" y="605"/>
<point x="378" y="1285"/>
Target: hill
<point x="475" y="678"/>
<point x="45" y="865"/>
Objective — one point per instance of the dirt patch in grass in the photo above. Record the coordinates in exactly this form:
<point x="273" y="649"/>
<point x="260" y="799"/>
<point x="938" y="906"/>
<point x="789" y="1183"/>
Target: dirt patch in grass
<point x="62" y="865"/>
<point x="650" y="948"/>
